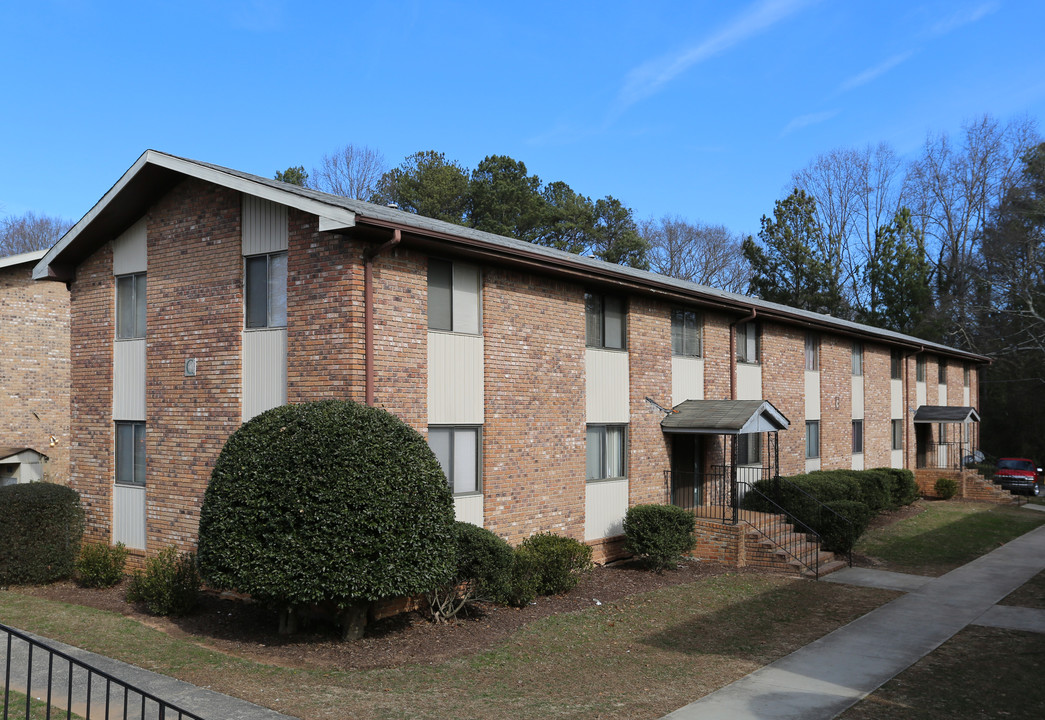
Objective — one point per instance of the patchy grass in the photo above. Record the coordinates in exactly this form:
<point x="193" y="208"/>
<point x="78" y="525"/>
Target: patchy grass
<point x="638" y="658"/>
<point x="979" y="673"/>
<point x="1031" y="594"/>
<point x="945" y="535"/>
<point x="37" y="708"/>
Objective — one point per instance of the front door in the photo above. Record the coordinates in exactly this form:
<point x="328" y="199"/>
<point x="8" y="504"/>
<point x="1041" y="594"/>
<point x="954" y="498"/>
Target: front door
<point x="686" y="476"/>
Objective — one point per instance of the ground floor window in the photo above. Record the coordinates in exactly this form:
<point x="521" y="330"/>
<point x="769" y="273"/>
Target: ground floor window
<point x="130" y="453"/>
<point x="812" y="438"/>
<point x="858" y="437"/>
<point x="606" y="451"/>
<point x="749" y="449"/>
<point x="457" y="449"/>
<point x="897" y="434"/>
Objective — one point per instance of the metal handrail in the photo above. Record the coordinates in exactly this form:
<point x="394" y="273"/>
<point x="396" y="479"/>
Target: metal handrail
<point x="820" y="507"/>
<point x="155" y="706"/>
<point x="800" y="526"/>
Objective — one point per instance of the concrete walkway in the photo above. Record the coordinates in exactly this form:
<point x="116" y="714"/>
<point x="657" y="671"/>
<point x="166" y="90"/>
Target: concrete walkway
<point x="825" y="677"/>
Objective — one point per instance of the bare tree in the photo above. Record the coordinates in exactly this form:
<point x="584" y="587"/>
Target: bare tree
<point x="706" y="254"/>
<point x="350" y="171"/>
<point x="30" y="232"/>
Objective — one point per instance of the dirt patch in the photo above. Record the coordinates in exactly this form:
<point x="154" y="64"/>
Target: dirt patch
<point x="247" y="629"/>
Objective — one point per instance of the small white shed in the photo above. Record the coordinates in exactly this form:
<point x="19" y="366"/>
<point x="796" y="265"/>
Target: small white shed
<point x="21" y="465"/>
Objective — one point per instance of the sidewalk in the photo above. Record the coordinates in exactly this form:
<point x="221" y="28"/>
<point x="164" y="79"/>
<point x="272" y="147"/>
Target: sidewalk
<point x="825" y="677"/>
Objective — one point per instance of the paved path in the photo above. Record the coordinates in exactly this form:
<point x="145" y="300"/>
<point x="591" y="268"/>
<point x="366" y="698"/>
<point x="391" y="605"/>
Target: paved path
<point x="825" y="677"/>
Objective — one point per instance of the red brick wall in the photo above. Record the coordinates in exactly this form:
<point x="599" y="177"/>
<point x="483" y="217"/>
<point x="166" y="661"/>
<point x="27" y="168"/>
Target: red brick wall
<point x="649" y="356"/>
<point x="836" y="403"/>
<point x="34" y="366"/>
<point x="783" y="384"/>
<point x="877" y="407"/>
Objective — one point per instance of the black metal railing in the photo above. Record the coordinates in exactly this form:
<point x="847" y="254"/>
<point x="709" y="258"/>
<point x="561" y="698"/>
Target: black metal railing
<point x="942" y="455"/>
<point x="801" y="543"/>
<point x="71" y="688"/>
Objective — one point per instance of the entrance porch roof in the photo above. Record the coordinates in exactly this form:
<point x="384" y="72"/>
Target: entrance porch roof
<point x="724" y="417"/>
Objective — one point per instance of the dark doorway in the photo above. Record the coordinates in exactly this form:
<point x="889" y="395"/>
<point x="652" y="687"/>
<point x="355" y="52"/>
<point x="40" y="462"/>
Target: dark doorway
<point x="686" y="477"/>
<point x="922" y="439"/>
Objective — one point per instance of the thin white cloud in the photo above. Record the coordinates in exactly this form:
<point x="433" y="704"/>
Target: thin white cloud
<point x="872" y="73"/>
<point x="650" y="77"/>
<point x="803" y="121"/>
<point x="963" y="16"/>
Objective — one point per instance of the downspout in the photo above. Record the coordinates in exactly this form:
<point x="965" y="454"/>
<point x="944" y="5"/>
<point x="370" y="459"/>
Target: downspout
<point x="368" y="309"/>
<point x="733" y="351"/>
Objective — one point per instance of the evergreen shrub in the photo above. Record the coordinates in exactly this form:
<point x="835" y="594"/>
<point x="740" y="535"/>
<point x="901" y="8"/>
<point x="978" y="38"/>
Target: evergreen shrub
<point x="484" y="572"/>
<point x="660" y="535"/>
<point x="946" y="488"/>
<point x="41" y="525"/>
<point x="170" y="584"/>
<point x="557" y="562"/>
<point x="100" y="565"/>
<point x="838" y="535"/>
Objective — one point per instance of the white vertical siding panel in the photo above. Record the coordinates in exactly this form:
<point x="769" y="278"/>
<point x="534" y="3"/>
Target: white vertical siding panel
<point x="812" y="464"/>
<point x="965" y="397"/>
<point x="812" y="394"/>
<point x="128" y="522"/>
<point x="128" y="386"/>
<point x="749" y="381"/>
<point x="896" y="399"/>
<point x="264" y="226"/>
<point x="920" y="393"/>
<point x="687" y="379"/>
<point x="469" y="509"/>
<point x="858" y="397"/>
<point x="264" y="370"/>
<point x="858" y="461"/>
<point x="455" y="379"/>
<point x="897" y="459"/>
<point x="465" y="294"/>
<point x="606" y="386"/>
<point x="941" y="393"/>
<point x="605" y="503"/>
<point x="129" y="250"/>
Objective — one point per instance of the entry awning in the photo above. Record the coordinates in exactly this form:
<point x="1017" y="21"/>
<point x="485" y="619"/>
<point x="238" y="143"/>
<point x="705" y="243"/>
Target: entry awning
<point x="724" y="417"/>
<point x="945" y="414"/>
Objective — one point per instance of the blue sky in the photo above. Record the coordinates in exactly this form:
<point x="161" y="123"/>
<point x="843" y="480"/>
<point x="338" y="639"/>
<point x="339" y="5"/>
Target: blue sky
<point x="701" y="109"/>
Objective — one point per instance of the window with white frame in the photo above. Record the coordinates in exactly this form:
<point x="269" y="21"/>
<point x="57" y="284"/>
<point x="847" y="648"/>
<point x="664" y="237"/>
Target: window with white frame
<point x="130" y="306"/>
<point x="941" y="371"/>
<point x="130" y="453"/>
<point x="686" y="326"/>
<point x="457" y="449"/>
<point x="604" y="321"/>
<point x="858" y="437"/>
<point x="812" y="351"/>
<point x="453" y="296"/>
<point x="858" y="358"/>
<point x="749" y="449"/>
<point x="266" y="290"/>
<point x="896" y="364"/>
<point x="748" y="342"/>
<point x="812" y="438"/>
<point x="919" y="373"/>
<point x="897" y="434"/>
<point x="606" y="451"/>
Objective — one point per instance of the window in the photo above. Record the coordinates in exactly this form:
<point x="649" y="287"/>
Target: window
<point x="130" y="453"/>
<point x="606" y="448"/>
<point x="267" y="290"/>
<point x="748" y="343"/>
<point x="812" y="438"/>
<point x="858" y="359"/>
<point x="897" y="434"/>
<point x="130" y="306"/>
<point x="604" y="321"/>
<point x="941" y="372"/>
<point x="896" y="364"/>
<point x="858" y="437"/>
<point x="812" y="351"/>
<point x="453" y="296"/>
<point x="941" y="432"/>
<point x="685" y="332"/>
<point x="749" y="449"/>
<point x="457" y="449"/>
<point x="920" y="368"/>
<point x="965" y="375"/>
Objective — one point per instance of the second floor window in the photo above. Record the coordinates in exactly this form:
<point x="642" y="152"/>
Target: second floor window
<point x="896" y="365"/>
<point x="130" y="306"/>
<point x="965" y="375"/>
<point x="920" y="368"/>
<point x="685" y="332"/>
<point x="812" y="351"/>
<point x="266" y="295"/>
<point x="748" y="343"/>
<point x="941" y="373"/>
<point x="604" y="325"/>
<point x="858" y="358"/>
<point x="453" y="296"/>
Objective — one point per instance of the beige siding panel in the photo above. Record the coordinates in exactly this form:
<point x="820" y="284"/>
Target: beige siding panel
<point x="858" y="397"/>
<point x="128" y="516"/>
<point x="264" y="226"/>
<point x="920" y="393"/>
<point x="264" y="370"/>
<point x="605" y="503"/>
<point x="965" y="397"/>
<point x="129" y="250"/>
<point x="941" y="391"/>
<point x="128" y="380"/>
<point x="896" y="399"/>
<point x="687" y="379"/>
<point x="606" y="386"/>
<point x="469" y="509"/>
<point x="749" y="381"/>
<point x="812" y="464"/>
<point x="455" y="379"/>
<point x="812" y="394"/>
<point x="896" y="459"/>
<point x="858" y="461"/>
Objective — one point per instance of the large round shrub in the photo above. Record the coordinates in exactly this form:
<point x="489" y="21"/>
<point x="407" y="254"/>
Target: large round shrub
<point x="330" y="501"/>
<point x="660" y="535"/>
<point x="41" y="525"/>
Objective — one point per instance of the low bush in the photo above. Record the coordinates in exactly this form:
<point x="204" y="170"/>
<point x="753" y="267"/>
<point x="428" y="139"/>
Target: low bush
<point x="946" y="488"/>
<point x="170" y="584"/>
<point x="843" y="523"/>
<point x="100" y="565"/>
<point x="523" y="588"/>
<point x="557" y="561"/>
<point x="660" y="535"/>
<point x="41" y="525"/>
<point x="484" y="572"/>
<point x="903" y="490"/>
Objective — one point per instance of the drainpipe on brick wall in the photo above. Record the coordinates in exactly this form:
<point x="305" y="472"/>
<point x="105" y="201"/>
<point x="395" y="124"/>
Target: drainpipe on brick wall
<point x="733" y="352"/>
<point x="368" y="309"/>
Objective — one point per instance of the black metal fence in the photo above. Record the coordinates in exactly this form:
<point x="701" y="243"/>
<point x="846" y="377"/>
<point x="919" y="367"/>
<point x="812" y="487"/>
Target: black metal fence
<point x="943" y="455"/>
<point x="69" y="688"/>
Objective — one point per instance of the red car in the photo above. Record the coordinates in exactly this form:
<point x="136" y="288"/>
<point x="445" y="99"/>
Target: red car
<point x="1019" y="475"/>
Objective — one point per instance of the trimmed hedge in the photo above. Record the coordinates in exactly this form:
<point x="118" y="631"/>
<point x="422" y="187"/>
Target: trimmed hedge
<point x="485" y="560"/>
<point x="660" y="535"/>
<point x="946" y="488"/>
<point x="328" y="501"/>
<point x="41" y="525"/>
<point x="903" y="489"/>
<point x="101" y="565"/>
<point x="557" y="562"/>
<point x="838" y="535"/>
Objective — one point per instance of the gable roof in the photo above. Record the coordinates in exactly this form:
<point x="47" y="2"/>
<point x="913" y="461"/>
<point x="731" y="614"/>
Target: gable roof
<point x="155" y="173"/>
<point x="724" y="417"/>
<point x="22" y="258"/>
<point x="945" y="414"/>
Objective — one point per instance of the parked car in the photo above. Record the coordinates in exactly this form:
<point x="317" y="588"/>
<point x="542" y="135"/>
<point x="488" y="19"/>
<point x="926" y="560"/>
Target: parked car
<point x="1019" y="475"/>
